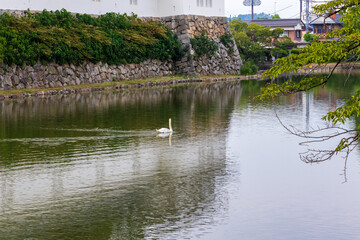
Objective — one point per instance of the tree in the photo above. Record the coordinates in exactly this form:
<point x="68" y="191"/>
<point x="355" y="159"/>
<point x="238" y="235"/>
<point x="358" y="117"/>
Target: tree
<point x="282" y="46"/>
<point x="276" y="16"/>
<point x="311" y="37"/>
<point x="345" y="49"/>
<point x="252" y="40"/>
<point x="257" y="44"/>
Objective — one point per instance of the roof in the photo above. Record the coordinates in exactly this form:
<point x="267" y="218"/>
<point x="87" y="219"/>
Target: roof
<point x="290" y="22"/>
<point x="329" y="20"/>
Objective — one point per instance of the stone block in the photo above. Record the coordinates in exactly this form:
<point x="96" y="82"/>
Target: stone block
<point x="150" y="74"/>
<point x="69" y="71"/>
<point x="15" y="80"/>
<point x="52" y="70"/>
<point x="76" y="82"/>
<point x="7" y="86"/>
<point x="123" y="70"/>
<point x="98" y="78"/>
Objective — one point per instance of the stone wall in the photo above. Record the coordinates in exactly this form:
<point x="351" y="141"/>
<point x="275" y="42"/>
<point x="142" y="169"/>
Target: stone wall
<point x="185" y="26"/>
<point x="54" y="75"/>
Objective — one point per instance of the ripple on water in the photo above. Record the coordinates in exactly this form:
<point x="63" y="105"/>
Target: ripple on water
<point x="229" y="171"/>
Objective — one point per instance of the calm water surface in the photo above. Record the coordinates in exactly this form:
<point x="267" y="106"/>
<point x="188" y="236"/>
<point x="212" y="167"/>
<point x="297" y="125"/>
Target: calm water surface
<point x="91" y="166"/>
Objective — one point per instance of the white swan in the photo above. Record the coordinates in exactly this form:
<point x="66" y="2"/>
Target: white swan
<point x="165" y="130"/>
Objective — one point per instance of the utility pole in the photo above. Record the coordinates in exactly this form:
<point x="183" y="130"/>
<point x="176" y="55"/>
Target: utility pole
<point x="300" y="9"/>
<point x="307" y="15"/>
<point x="252" y="3"/>
<point x="275" y="8"/>
<point x="252" y="9"/>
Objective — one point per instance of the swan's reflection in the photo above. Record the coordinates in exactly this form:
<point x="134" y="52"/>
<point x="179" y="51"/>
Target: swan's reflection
<point x="164" y="135"/>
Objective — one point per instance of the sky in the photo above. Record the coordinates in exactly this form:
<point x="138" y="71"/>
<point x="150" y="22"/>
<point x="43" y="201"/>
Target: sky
<point x="285" y="8"/>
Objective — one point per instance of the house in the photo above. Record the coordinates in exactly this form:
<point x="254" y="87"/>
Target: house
<point x="293" y="28"/>
<point x="143" y="8"/>
<point x="322" y="26"/>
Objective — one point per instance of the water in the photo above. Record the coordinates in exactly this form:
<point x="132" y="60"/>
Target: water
<point x="90" y="166"/>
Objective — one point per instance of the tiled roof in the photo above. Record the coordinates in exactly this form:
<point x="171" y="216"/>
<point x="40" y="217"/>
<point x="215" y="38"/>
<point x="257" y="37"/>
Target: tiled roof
<point x="329" y="20"/>
<point x="276" y="22"/>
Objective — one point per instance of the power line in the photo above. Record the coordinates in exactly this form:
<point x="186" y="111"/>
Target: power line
<point x="295" y="15"/>
<point x="282" y="9"/>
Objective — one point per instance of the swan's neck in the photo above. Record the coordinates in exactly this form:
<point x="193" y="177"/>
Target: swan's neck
<point x="170" y="124"/>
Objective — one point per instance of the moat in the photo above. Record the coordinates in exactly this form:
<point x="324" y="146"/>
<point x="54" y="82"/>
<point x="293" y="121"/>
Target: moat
<point x="91" y="166"/>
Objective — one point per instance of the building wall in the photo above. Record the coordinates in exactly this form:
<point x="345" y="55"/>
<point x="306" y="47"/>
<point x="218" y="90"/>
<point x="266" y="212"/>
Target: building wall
<point x="293" y="37"/>
<point x="201" y="7"/>
<point x="143" y="8"/>
<point x="322" y="31"/>
<point x="169" y="8"/>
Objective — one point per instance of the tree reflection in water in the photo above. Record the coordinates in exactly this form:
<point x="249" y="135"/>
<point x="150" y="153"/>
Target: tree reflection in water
<point x="90" y="166"/>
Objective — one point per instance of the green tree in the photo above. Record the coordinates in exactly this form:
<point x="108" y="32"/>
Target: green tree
<point x="253" y="40"/>
<point x="345" y="48"/>
<point x="276" y="16"/>
<point x="311" y="37"/>
<point x="282" y="46"/>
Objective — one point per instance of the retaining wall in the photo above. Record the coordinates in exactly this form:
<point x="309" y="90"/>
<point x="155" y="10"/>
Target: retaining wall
<point x="185" y="26"/>
<point x="54" y="75"/>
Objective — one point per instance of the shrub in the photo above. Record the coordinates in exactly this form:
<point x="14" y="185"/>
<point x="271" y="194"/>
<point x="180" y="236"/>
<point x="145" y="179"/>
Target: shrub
<point x="228" y="42"/>
<point x="202" y="45"/>
<point x="226" y="39"/>
<point x="295" y="51"/>
<point x="311" y="37"/>
<point x="64" y="38"/>
<point x="249" y="68"/>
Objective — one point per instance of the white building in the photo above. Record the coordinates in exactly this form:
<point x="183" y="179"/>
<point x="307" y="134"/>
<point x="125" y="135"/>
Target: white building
<point x="143" y="8"/>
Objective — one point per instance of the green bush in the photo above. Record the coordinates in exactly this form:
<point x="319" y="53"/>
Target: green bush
<point x="311" y="37"/>
<point x="249" y="68"/>
<point x="202" y="45"/>
<point x="227" y="41"/>
<point x="64" y="38"/>
<point x="295" y="51"/>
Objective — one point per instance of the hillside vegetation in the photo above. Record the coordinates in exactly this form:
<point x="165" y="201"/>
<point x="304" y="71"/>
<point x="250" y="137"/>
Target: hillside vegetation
<point x="63" y="38"/>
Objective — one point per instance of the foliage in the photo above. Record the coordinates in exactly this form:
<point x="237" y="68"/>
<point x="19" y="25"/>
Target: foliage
<point x="254" y="41"/>
<point x="344" y="112"/>
<point x="311" y="37"/>
<point x="63" y="38"/>
<point x="274" y="90"/>
<point x="227" y="41"/>
<point x="203" y="45"/>
<point x="275" y="16"/>
<point x="249" y="68"/>
<point x="295" y="51"/>
<point x="341" y="50"/>
<point x="282" y="46"/>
